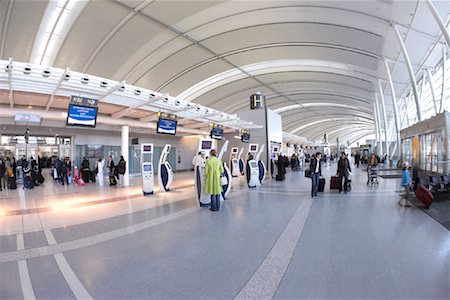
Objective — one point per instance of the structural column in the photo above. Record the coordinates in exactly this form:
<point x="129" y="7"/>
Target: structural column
<point x="433" y="91"/>
<point x="394" y="105"/>
<point x="410" y="71"/>
<point x="444" y="77"/>
<point x="383" y="107"/>
<point x="124" y="151"/>
<point x="72" y="150"/>
<point x="375" y="122"/>
<point x="380" y="139"/>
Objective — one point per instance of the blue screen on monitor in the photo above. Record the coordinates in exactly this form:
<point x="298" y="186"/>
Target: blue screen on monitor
<point x="79" y="115"/>
<point x="166" y="126"/>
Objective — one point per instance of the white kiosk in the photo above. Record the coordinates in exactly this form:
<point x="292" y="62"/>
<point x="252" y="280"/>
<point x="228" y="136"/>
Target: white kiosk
<point x="225" y="188"/>
<point x="204" y="145"/>
<point x="241" y="162"/>
<point x="252" y="170"/>
<point x="165" y="174"/>
<point x="261" y="166"/>
<point x="234" y="162"/>
<point x="147" y="168"/>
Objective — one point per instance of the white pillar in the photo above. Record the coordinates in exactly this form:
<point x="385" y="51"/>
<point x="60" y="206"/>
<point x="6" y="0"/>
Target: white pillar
<point x="383" y="107"/>
<point x="380" y="142"/>
<point x="410" y="71"/>
<point x="375" y="122"/>
<point x="438" y="20"/>
<point x="124" y="151"/>
<point x="394" y="105"/>
<point x="72" y="150"/>
<point x="444" y="78"/>
<point x="433" y="91"/>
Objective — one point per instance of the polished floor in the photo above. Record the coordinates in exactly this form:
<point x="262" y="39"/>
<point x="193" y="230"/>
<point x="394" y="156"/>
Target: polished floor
<point x="271" y="242"/>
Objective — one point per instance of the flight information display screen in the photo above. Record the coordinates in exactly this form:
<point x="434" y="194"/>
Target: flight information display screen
<point x="166" y="126"/>
<point x="245" y="137"/>
<point x="216" y="133"/>
<point x="79" y="115"/>
<point x="147" y="148"/>
<point x="253" y="148"/>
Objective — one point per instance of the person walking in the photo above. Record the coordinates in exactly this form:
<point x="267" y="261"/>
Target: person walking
<point x="213" y="170"/>
<point x="316" y="171"/>
<point x="121" y="167"/>
<point x="2" y="172"/>
<point x="111" y="166"/>
<point x="406" y="184"/>
<point x="372" y="166"/>
<point x="343" y="171"/>
<point x="357" y="159"/>
<point x="99" y="167"/>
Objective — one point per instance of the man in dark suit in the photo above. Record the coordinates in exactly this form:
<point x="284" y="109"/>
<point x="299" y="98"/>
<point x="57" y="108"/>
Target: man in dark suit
<point x="316" y="172"/>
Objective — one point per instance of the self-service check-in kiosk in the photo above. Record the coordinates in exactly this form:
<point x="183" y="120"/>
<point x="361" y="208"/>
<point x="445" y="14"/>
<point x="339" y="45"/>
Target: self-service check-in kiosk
<point x="274" y="161"/>
<point x="241" y="162"/>
<point x="261" y="166"/>
<point x="165" y="174"/>
<point x="225" y="188"/>
<point x="204" y="145"/>
<point x="234" y="162"/>
<point x="147" y="168"/>
<point x="252" y="170"/>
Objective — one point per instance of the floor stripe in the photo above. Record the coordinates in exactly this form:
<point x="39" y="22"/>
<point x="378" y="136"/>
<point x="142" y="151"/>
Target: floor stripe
<point x="24" y="273"/>
<point x="92" y="240"/>
<point x="72" y="280"/>
<point x="264" y="282"/>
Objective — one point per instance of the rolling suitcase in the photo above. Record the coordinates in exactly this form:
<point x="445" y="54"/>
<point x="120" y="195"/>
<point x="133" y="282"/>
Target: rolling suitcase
<point x="28" y="182"/>
<point x="334" y="183"/>
<point x="425" y="196"/>
<point x="40" y="178"/>
<point x="112" y="180"/>
<point x="12" y="183"/>
<point x="321" y="184"/>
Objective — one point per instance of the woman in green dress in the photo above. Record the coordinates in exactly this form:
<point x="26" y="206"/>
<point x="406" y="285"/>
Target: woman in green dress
<point x="213" y="171"/>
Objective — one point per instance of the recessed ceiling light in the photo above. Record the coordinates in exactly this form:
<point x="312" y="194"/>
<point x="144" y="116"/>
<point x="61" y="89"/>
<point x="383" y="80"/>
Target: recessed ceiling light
<point x="30" y="107"/>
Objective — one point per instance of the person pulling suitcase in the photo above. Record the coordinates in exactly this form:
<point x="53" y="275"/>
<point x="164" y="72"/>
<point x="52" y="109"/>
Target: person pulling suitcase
<point x="406" y="184"/>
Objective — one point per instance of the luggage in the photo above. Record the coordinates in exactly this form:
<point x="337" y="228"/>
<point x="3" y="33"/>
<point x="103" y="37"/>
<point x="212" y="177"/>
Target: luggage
<point x="86" y="175"/>
<point x="40" y="178"/>
<point x="425" y="196"/>
<point x="55" y="174"/>
<point x="334" y="183"/>
<point x="308" y="173"/>
<point x="112" y="180"/>
<point x="80" y="182"/>
<point x="349" y="185"/>
<point x="28" y="182"/>
<point x="321" y="184"/>
<point x="12" y="183"/>
<point x="35" y="179"/>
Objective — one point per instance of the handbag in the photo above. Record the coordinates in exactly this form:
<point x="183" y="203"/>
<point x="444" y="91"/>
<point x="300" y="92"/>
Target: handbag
<point x="308" y="173"/>
<point x="223" y="180"/>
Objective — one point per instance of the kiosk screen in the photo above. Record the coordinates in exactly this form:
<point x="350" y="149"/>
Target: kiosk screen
<point x="253" y="148"/>
<point x="147" y="148"/>
<point x="147" y="168"/>
<point x="206" y="145"/>
<point x="253" y="164"/>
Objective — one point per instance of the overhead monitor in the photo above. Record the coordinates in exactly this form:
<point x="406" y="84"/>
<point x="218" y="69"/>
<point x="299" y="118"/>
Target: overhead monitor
<point x="206" y="145"/>
<point x="216" y="133"/>
<point x="166" y="126"/>
<point x="147" y="148"/>
<point x="245" y="137"/>
<point x="80" y="115"/>
<point x="253" y="147"/>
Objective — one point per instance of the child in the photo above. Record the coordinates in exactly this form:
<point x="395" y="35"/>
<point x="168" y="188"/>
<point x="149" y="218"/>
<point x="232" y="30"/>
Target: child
<point x="406" y="183"/>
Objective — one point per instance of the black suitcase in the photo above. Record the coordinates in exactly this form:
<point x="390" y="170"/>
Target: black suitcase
<point x="35" y="179"/>
<point x="112" y="180"/>
<point x="279" y="177"/>
<point x="321" y="184"/>
<point x="28" y="182"/>
<point x="40" y="178"/>
<point x="12" y="183"/>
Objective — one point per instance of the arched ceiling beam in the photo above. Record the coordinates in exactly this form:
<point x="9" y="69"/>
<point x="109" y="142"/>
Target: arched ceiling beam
<point x="321" y="121"/>
<point x="5" y="28"/>
<point x="298" y="116"/>
<point x="331" y="129"/>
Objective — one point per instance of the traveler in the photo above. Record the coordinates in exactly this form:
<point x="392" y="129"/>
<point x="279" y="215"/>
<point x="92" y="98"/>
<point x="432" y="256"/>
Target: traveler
<point x="25" y="166"/>
<point x="316" y="172"/>
<point x="14" y="165"/>
<point x="198" y="160"/>
<point x="121" y="167"/>
<point x="65" y="171"/>
<point x="111" y="166"/>
<point x="406" y="184"/>
<point x="85" y="170"/>
<point x="213" y="171"/>
<point x="58" y="167"/>
<point x="343" y="170"/>
<point x="282" y="163"/>
<point x="357" y="159"/>
<point x="99" y="167"/>
<point x="372" y="164"/>
<point x="2" y="172"/>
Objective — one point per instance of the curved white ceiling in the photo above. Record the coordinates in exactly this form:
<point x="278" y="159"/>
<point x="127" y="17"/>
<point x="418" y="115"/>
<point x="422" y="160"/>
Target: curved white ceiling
<point x="317" y="62"/>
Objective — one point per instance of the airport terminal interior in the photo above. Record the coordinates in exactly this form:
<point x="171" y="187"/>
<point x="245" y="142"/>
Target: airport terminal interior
<point x="215" y="149"/>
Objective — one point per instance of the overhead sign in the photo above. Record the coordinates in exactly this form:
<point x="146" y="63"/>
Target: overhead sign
<point x="257" y="101"/>
<point x="81" y="116"/>
<point x="76" y="100"/>
<point x="27" y="118"/>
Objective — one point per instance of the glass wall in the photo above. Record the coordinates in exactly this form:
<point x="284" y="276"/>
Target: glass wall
<point x="407" y="150"/>
<point x="431" y="152"/>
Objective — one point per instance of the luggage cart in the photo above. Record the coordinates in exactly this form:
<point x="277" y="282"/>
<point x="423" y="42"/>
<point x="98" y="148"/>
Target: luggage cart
<point x="372" y="176"/>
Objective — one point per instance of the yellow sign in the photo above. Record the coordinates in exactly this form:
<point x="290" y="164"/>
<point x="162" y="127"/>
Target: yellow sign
<point x="415" y="150"/>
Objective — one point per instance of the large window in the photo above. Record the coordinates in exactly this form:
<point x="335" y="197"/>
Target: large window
<point x="431" y="152"/>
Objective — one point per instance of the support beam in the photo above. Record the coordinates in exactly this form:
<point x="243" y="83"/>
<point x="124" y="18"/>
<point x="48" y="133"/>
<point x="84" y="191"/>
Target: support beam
<point x="394" y="105"/>
<point x="112" y="90"/>
<point x="380" y="139"/>
<point x="375" y="122"/>
<point x="125" y="178"/>
<point x="150" y="118"/>
<point x="444" y="77"/>
<point x="10" y="67"/>
<point x="125" y="111"/>
<point x="433" y="90"/>
<point x="410" y="71"/>
<point x="52" y="96"/>
<point x="383" y="107"/>
<point x="438" y="20"/>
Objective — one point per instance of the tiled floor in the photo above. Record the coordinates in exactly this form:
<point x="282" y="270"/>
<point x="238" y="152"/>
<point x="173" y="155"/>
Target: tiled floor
<point x="269" y="242"/>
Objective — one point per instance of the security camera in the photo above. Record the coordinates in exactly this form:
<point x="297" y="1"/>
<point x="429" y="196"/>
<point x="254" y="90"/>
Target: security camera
<point x="103" y="84"/>
<point x="137" y="92"/>
<point x="8" y="68"/>
<point x="177" y="102"/>
<point x="166" y="99"/>
<point x="122" y="88"/>
<point x="152" y="95"/>
<point x="85" y="79"/>
<point x="27" y="70"/>
<point x="66" y="76"/>
<point x="46" y="73"/>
